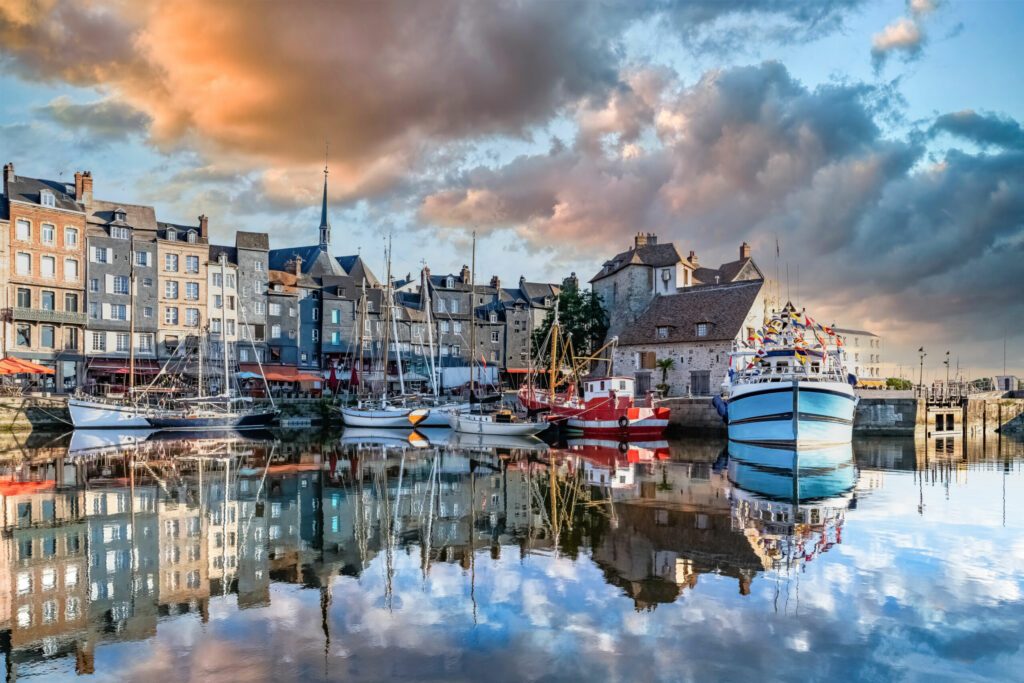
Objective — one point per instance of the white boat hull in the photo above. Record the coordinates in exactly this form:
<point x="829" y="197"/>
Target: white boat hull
<point x="468" y="423"/>
<point x="794" y="414"/>
<point x="98" y="415"/>
<point x="399" y="418"/>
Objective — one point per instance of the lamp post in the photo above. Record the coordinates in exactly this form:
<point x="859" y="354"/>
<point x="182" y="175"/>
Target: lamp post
<point x="920" y="378"/>
<point x="945" y="389"/>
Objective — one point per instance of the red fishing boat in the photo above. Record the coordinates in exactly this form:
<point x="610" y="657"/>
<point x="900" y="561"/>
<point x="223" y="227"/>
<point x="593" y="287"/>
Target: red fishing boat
<point x="608" y="407"/>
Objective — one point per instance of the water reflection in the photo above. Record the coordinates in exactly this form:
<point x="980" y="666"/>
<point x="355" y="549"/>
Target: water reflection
<point x="118" y="540"/>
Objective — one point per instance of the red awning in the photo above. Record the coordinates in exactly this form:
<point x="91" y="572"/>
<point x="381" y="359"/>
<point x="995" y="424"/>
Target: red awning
<point x="519" y="371"/>
<point x="280" y="373"/>
<point x="17" y="366"/>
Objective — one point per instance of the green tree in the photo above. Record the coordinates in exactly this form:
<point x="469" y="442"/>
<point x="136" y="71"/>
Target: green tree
<point x="582" y="318"/>
<point x="664" y="364"/>
<point x="899" y="384"/>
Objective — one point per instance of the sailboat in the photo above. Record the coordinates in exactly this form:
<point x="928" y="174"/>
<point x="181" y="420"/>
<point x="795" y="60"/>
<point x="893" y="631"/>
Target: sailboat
<point x="401" y="412"/>
<point x="475" y="421"/>
<point x="226" y="410"/>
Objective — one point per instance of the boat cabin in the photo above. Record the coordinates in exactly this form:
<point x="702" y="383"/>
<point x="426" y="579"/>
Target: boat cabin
<point x="604" y="387"/>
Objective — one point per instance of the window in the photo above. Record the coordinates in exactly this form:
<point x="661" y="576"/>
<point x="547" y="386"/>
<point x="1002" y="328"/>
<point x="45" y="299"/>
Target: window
<point x="122" y="342"/>
<point x="120" y="284"/>
<point x="48" y="233"/>
<point x="170" y="289"/>
<point x="450" y="282"/>
<point x="231" y="281"/>
<point x="258" y="266"/>
<point x="70" y="269"/>
<point x="94" y="310"/>
<point x="24" y="297"/>
<point x="444" y="326"/>
<point x="336" y="338"/>
<point x="218" y="301"/>
<point x="46" y="198"/>
<point x="440" y="306"/>
<point x="118" y="312"/>
<point x="120" y="233"/>
<point x="48" y="300"/>
<point x="456" y="350"/>
<point x="455" y="305"/>
<point x="457" y="327"/>
<point x="291" y="311"/>
<point x="243" y="355"/>
<point x="46" y="336"/>
<point x="23" y="264"/>
<point x="171" y="315"/>
<point x="70" y="237"/>
<point x="192" y="291"/>
<point x="231" y="327"/>
<point x="702" y="329"/>
<point x="172" y="235"/>
<point x="147" y="282"/>
<point x="260" y="308"/>
<point x="191" y="264"/>
<point x="47" y="266"/>
<point x="316" y="313"/>
<point x="645" y="360"/>
<point x="494" y="356"/>
<point x="316" y="335"/>
<point x="493" y="317"/>
<point x="662" y="333"/>
<point x="147" y="312"/>
<point x="192" y="236"/>
<point x="171" y="263"/>
<point x="275" y="309"/>
<point x="336" y="317"/>
<point x="23" y="230"/>
<point x="100" y="255"/>
<point x="192" y="317"/>
<point x="275" y="331"/>
<point x="94" y="285"/>
<point x="495" y="337"/>
<point x="71" y="303"/>
<point x="215" y="326"/>
<point x="142" y="258"/>
<point x="99" y="341"/>
<point x="146" y="343"/>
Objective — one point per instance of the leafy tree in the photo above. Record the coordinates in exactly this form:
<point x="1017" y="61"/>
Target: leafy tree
<point x="900" y="384"/>
<point x="581" y="316"/>
<point x="665" y="364"/>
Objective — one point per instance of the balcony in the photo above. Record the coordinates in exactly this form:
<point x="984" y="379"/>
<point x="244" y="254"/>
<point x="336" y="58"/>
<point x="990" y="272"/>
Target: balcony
<point x="41" y="316"/>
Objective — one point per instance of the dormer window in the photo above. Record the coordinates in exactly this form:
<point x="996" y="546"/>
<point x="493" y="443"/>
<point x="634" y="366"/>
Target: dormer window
<point x="120" y="233"/>
<point x="662" y="333"/>
<point x="121" y="216"/>
<point x="172" y="234"/>
<point x="46" y="198"/>
<point x="493" y="317"/>
<point x="450" y="282"/>
<point x="702" y="329"/>
<point x="547" y="301"/>
<point x="192" y="236"/>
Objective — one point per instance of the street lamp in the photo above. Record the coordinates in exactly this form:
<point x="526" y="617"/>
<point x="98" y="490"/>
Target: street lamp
<point x="945" y="389"/>
<point x="920" y="377"/>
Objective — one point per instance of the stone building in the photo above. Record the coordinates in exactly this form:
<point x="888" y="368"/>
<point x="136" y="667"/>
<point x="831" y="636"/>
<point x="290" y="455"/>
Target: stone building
<point x="251" y="257"/>
<point x="182" y="256"/>
<point x="282" y="319"/>
<point x="121" y="245"/>
<point x="696" y="328"/>
<point x="45" y="294"/>
<point x="863" y="355"/>
<point x="222" y="302"/>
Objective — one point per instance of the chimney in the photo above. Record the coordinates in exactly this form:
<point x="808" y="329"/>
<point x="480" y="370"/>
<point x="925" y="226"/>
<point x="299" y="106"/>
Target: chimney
<point x="692" y="258"/>
<point x="83" y="187"/>
<point x="640" y="240"/>
<point x="465" y="274"/>
<point x="8" y="176"/>
<point x="522" y="281"/>
<point x="204" y="227"/>
<point x="495" y="282"/>
<point x="652" y="239"/>
<point x="744" y="251"/>
<point x="294" y="266"/>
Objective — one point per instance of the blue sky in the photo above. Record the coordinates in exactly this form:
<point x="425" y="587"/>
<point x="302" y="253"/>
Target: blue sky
<point x="558" y="130"/>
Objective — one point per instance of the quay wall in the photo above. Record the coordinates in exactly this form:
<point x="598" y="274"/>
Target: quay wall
<point x="34" y="413"/>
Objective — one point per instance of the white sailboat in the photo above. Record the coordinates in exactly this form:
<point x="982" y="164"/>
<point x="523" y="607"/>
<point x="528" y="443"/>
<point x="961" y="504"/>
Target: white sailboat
<point x="226" y="410"/>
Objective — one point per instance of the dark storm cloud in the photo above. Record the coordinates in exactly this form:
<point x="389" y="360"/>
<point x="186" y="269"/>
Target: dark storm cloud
<point x="104" y="119"/>
<point x="983" y="129"/>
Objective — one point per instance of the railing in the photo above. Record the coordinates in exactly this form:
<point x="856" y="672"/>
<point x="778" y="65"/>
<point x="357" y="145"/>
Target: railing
<point x="44" y="316"/>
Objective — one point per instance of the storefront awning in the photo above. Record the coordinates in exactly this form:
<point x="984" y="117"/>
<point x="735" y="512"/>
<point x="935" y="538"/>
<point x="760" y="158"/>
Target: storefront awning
<point x="17" y="366"/>
<point x="280" y="373"/>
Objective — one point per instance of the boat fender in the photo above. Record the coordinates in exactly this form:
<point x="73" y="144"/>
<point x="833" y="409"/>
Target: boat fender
<point x="722" y="407"/>
<point x="852" y="379"/>
<point x="623" y="421"/>
<point x="623" y="446"/>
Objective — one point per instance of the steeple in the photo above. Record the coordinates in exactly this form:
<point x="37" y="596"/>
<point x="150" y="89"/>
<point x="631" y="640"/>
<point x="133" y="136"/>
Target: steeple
<point x="325" y="226"/>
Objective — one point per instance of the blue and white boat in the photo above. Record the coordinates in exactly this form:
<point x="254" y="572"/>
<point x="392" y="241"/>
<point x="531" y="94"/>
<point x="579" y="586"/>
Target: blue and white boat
<point x="788" y="388"/>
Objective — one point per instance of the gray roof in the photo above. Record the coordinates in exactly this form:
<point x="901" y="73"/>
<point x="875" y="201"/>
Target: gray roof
<point x="723" y="307"/>
<point x="181" y="231"/>
<point x="24" y="189"/>
<point x="252" y="240"/>
<point x="727" y="272"/>
<point x="355" y="266"/>
<point x="138" y="217"/>
<point x="653" y="255"/>
<point x="217" y="249"/>
<point x="313" y="258"/>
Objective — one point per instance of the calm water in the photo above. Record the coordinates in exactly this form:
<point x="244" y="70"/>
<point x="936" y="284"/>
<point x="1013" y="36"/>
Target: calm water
<point x="353" y="559"/>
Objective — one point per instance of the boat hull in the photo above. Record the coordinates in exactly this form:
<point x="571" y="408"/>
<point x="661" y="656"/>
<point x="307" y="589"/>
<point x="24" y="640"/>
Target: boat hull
<point x="229" y="421"/>
<point x="398" y="418"/>
<point x="98" y="415"/>
<point x="475" y="424"/>
<point x="792" y="414"/>
<point x="624" y="423"/>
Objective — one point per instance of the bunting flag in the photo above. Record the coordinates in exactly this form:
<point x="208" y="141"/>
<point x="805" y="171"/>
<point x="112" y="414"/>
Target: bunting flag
<point x="801" y="356"/>
<point x="761" y="353"/>
<point x="828" y="330"/>
<point x="809" y="321"/>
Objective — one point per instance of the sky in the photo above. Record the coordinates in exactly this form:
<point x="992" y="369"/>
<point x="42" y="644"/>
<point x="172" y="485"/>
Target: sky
<point x="878" y="143"/>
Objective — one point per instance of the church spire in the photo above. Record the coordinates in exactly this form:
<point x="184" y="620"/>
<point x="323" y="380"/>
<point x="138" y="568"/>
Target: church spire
<point x="325" y="225"/>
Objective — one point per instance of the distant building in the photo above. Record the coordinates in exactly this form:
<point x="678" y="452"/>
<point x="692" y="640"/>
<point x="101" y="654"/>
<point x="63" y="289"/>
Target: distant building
<point x="863" y="355"/>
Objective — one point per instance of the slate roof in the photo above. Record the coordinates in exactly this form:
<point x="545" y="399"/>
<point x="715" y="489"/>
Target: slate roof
<point x="653" y="255"/>
<point x="723" y="307"/>
<point x="310" y="254"/>
<point x="217" y="249"/>
<point x="252" y="240"/>
<point x="727" y="272"/>
<point x="101" y="213"/>
<point x="181" y="230"/>
<point x="24" y="189"/>
<point x="356" y="267"/>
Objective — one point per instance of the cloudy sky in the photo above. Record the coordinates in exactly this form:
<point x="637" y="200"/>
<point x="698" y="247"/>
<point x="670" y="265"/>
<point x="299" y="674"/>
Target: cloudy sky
<point x="878" y="141"/>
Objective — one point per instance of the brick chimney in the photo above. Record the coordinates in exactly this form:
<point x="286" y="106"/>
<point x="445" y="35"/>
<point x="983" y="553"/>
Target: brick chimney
<point x="83" y="187"/>
<point x="8" y="176"/>
<point x="744" y="251"/>
<point x="204" y="227"/>
<point x="294" y="266"/>
<point x="495" y="282"/>
<point x="464" y="275"/>
<point x="692" y="258"/>
<point x="645" y="239"/>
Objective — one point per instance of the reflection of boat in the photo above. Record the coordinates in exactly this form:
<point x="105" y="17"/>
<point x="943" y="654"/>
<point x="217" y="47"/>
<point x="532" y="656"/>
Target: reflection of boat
<point x="784" y="391"/>
<point x="606" y="450"/>
<point x="496" y="442"/>
<point x="806" y="475"/>
<point x="369" y="436"/>
<point x="94" y="441"/>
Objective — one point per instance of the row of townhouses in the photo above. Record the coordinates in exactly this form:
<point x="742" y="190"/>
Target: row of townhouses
<point x="68" y="260"/>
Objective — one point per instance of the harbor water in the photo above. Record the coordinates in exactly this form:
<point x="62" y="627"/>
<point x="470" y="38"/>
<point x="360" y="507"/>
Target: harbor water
<point x="373" y="556"/>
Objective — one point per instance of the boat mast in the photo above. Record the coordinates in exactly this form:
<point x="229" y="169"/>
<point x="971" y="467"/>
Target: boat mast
<point x="362" y="324"/>
<point x="554" y="355"/>
<point x="131" y="324"/>
<point x="200" y="345"/>
<point x="387" y="329"/>
<point x="390" y="293"/>
<point x="430" y="337"/>
<point x="224" y="319"/>
<point x="472" y="321"/>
